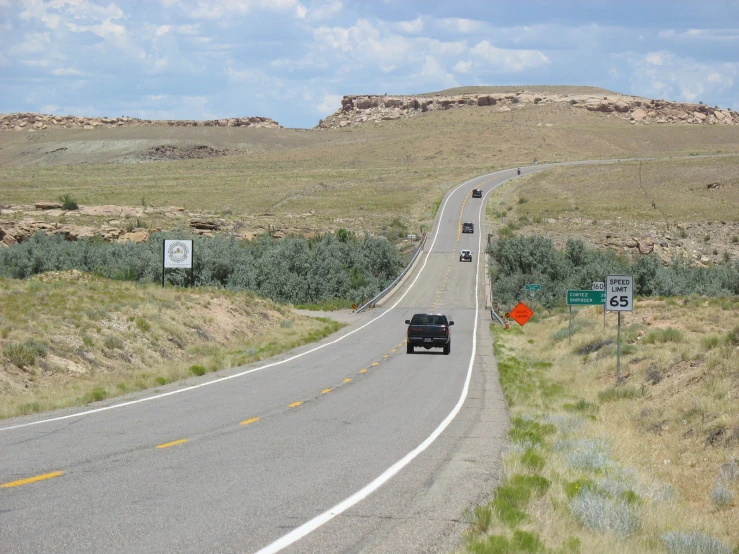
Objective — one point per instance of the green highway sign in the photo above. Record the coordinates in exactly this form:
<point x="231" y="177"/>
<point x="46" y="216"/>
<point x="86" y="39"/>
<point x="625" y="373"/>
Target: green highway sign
<point x="532" y="287"/>
<point x="586" y="298"/>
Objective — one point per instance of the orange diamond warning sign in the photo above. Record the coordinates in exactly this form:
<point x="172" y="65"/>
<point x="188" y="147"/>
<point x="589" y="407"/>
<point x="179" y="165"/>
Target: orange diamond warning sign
<point x="521" y="313"/>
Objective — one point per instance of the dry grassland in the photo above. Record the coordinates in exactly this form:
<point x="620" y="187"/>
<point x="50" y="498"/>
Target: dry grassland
<point x="70" y="338"/>
<point x="622" y="466"/>
<point x="359" y="178"/>
<point x="687" y="205"/>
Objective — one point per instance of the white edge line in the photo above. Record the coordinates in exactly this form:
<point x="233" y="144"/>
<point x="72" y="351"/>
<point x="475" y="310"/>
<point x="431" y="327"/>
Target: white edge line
<point x="313" y="524"/>
<point x="291" y="358"/>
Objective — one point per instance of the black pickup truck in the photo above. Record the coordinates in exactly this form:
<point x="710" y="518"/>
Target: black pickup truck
<point x="429" y="331"/>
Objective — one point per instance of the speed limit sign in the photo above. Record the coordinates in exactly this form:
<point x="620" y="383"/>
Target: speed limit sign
<point x="620" y="293"/>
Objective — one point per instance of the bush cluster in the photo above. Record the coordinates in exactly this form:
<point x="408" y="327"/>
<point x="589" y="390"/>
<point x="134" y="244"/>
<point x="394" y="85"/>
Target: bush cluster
<point x="292" y="270"/>
<point x="518" y="260"/>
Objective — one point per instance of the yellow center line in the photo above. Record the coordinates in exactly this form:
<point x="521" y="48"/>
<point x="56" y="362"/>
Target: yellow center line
<point x="375" y="364"/>
<point x="32" y="479"/>
<point x="394" y="350"/>
<point x="173" y="443"/>
<point x="386" y="355"/>
<point x="347" y="380"/>
<point x="295" y="404"/>
<point x="324" y="391"/>
<point x="362" y="371"/>
<point x="248" y="421"/>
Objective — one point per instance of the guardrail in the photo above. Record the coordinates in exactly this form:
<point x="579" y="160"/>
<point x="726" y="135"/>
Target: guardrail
<point x="376" y="299"/>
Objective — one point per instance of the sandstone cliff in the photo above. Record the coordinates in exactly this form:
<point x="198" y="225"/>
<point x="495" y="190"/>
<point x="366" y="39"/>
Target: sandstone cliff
<point x="356" y="110"/>
<point x="39" y="122"/>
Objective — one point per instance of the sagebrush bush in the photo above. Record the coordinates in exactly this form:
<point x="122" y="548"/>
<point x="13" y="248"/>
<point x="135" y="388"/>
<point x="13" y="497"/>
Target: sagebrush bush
<point x="24" y="353"/>
<point x="533" y="259"/>
<point x="601" y="513"/>
<point x="292" y="270"/>
<point x="681" y="542"/>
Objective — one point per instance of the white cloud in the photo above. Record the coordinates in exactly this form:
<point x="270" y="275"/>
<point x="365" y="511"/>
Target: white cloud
<point x="223" y="9"/>
<point x="66" y="72"/>
<point x="462" y="67"/>
<point x="410" y="27"/>
<point x="665" y="75"/>
<point x="464" y="26"/>
<point x="508" y="60"/>
<point x="329" y="104"/>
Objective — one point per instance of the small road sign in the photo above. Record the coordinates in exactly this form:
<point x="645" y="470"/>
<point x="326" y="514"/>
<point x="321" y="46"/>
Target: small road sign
<point x="620" y="293"/>
<point x="599" y="285"/>
<point x="521" y="313"/>
<point x="586" y="298"/>
<point x="532" y="287"/>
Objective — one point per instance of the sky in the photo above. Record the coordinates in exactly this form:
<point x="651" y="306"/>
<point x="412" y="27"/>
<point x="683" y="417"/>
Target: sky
<point x="293" y="60"/>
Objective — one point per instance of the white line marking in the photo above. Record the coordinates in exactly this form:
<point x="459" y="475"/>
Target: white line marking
<point x="310" y="526"/>
<point x="247" y="372"/>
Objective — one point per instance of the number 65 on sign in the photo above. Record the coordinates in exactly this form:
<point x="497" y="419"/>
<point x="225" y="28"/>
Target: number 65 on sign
<point x="620" y="293"/>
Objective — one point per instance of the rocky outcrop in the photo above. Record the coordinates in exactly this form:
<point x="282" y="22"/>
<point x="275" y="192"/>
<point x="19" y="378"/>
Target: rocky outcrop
<point x="20" y="122"/>
<point x="356" y="110"/>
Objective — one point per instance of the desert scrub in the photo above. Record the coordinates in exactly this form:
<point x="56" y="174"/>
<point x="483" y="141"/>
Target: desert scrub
<point x="682" y="542"/>
<point x="24" y="354"/>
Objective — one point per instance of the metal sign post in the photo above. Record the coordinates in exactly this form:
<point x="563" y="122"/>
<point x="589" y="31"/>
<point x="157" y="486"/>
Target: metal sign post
<point x="619" y="298"/>
<point x="584" y="298"/>
<point x="600" y="285"/>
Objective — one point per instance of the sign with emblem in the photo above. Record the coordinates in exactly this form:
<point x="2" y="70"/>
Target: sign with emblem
<point x="178" y="254"/>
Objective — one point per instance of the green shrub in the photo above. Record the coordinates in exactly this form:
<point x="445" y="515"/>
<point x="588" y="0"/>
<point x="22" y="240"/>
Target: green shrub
<point x="25" y="353"/>
<point x="613" y="394"/>
<point x="656" y="336"/>
<point x="197" y="370"/>
<point x="68" y="203"/>
<point x="111" y="342"/>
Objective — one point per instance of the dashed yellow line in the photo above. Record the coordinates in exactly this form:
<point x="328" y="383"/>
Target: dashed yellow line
<point x="324" y="391"/>
<point x="348" y="379"/>
<point x="386" y="356"/>
<point x="248" y="421"/>
<point x="32" y="479"/>
<point x="394" y="350"/>
<point x="375" y="364"/>
<point x="173" y="443"/>
<point x="295" y="404"/>
<point x="362" y="371"/>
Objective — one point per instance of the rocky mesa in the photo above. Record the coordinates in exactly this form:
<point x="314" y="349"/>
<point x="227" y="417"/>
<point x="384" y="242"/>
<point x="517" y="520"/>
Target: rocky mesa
<point x="38" y="122"/>
<point x="356" y="110"/>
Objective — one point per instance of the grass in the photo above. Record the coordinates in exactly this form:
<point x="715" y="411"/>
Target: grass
<point x="647" y="466"/>
<point x="98" y="349"/>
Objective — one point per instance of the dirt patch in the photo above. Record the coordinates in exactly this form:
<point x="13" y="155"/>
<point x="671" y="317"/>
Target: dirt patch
<point x="168" y="152"/>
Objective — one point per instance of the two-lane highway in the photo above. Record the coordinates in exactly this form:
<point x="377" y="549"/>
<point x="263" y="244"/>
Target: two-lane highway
<point x="350" y="445"/>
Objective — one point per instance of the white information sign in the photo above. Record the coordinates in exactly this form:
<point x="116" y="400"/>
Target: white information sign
<point x="178" y="254"/>
<point x="598" y="285"/>
<point x="620" y="293"/>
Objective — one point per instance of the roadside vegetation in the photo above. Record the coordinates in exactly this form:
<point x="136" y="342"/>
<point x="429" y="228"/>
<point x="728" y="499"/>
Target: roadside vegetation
<point x="649" y="466"/>
<point x="522" y="259"/>
<point x="329" y="269"/>
<point x="70" y="338"/>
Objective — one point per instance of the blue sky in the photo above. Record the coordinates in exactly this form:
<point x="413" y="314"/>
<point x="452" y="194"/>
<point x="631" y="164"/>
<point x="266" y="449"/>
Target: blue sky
<point x="292" y="60"/>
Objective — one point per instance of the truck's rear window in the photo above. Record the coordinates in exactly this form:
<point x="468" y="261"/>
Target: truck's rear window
<point x="428" y="319"/>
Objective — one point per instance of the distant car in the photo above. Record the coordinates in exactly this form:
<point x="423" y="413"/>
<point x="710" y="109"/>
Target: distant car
<point x="429" y="331"/>
<point x="468" y="227"/>
<point x="476" y="193"/>
<point x="465" y="256"/>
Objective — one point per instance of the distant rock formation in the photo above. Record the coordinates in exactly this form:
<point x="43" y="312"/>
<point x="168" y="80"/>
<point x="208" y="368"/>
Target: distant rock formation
<point x="356" y="110"/>
<point x="40" y="122"/>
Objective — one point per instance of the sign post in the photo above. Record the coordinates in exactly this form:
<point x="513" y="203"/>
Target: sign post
<point x="177" y="254"/>
<point x="584" y="298"/>
<point x="532" y="288"/>
<point x="619" y="298"/>
<point x="600" y="285"/>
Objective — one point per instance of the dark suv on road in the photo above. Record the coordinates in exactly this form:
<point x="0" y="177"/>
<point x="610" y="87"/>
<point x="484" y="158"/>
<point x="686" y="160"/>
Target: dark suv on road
<point x="429" y="331"/>
<point x="468" y="227"/>
<point x="476" y="193"/>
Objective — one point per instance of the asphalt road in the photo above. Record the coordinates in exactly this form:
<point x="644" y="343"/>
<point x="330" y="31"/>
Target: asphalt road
<point x="351" y="445"/>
